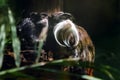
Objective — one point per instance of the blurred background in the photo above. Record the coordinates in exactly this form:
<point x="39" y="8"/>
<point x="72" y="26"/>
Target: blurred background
<point x="101" y="19"/>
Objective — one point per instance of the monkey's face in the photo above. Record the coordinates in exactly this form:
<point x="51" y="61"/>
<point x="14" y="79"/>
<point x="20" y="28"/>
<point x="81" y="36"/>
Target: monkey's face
<point x="30" y="30"/>
<point x="62" y="35"/>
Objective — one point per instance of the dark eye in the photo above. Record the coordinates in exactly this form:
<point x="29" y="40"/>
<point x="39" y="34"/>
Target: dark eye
<point x="43" y="15"/>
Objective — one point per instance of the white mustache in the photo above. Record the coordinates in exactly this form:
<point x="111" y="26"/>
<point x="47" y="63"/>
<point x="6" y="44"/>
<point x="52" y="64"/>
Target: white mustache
<point x="65" y="32"/>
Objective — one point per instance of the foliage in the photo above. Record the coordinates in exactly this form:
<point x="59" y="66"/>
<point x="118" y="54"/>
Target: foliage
<point x="2" y="3"/>
<point x="15" y="40"/>
<point x="2" y="45"/>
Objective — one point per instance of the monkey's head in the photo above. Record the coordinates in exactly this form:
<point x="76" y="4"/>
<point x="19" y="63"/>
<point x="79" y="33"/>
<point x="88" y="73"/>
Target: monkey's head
<point x="67" y="38"/>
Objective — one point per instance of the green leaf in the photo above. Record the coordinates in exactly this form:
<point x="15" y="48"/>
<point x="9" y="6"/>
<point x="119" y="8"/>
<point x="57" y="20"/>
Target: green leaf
<point x="39" y="50"/>
<point x="15" y="40"/>
<point x="2" y="3"/>
<point x="105" y="68"/>
<point x="2" y="42"/>
<point x="90" y="77"/>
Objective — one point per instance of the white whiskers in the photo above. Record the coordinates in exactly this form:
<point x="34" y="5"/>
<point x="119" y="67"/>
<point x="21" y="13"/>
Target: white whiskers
<point x="66" y="31"/>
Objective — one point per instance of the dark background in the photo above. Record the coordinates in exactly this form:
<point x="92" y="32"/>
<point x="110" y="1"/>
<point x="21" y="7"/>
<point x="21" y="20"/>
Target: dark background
<point x="101" y="19"/>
